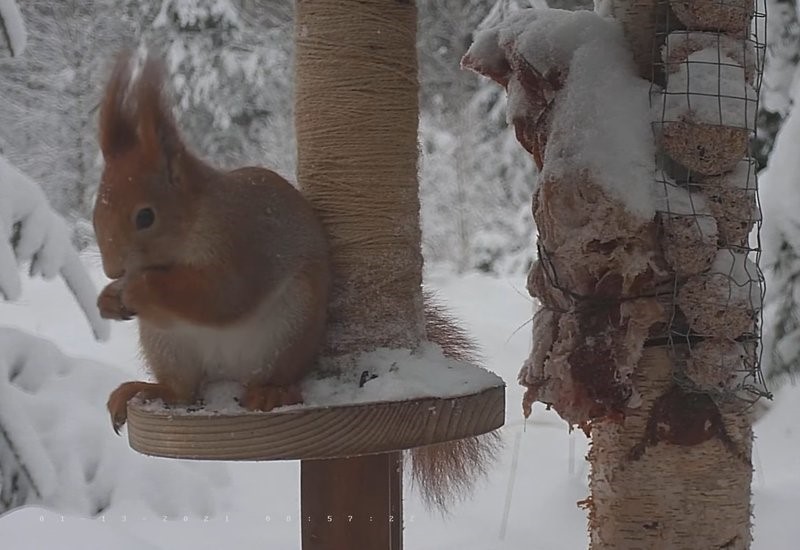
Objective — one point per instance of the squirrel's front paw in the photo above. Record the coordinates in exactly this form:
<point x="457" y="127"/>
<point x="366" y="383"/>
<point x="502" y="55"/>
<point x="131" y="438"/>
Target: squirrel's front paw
<point x="118" y="400"/>
<point x="110" y="302"/>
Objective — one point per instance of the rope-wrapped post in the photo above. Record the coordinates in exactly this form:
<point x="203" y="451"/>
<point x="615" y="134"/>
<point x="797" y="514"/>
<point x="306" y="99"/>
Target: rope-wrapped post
<point x="356" y="117"/>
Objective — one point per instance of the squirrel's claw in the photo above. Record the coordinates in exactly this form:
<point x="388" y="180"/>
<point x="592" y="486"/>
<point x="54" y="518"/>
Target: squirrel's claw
<point x="117" y="422"/>
<point x="118" y="400"/>
<point x="118" y="403"/>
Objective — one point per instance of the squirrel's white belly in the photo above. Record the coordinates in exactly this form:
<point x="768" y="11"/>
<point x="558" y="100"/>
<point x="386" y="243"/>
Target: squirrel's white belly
<point x="242" y="352"/>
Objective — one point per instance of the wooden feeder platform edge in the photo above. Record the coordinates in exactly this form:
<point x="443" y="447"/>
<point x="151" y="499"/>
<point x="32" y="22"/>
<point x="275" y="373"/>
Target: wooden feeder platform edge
<point x="313" y="433"/>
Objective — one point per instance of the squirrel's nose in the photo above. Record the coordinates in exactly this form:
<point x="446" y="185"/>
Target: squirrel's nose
<point x="115" y="274"/>
<point x="112" y="269"/>
<point x="113" y="259"/>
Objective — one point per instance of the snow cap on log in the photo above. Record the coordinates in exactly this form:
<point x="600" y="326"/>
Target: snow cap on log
<point x="577" y="105"/>
<point x="580" y="62"/>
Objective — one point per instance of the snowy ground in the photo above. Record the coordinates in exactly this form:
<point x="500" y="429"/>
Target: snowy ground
<point x="149" y="511"/>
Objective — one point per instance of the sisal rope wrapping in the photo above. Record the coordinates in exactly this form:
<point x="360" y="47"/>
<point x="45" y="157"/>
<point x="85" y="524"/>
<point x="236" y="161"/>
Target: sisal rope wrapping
<point x="356" y="116"/>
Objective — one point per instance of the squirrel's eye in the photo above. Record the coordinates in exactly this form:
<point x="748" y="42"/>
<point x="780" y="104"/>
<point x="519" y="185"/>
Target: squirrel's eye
<point x="145" y="218"/>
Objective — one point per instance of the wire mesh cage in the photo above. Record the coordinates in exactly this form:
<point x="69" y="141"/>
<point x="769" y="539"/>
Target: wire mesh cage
<point x="706" y="76"/>
<point x="708" y="56"/>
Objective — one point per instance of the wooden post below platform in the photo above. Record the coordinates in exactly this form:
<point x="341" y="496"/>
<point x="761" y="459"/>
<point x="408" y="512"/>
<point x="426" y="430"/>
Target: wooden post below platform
<point x="352" y="503"/>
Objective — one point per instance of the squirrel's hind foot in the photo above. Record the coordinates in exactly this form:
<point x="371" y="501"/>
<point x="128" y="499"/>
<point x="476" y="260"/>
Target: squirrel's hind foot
<point x="118" y="400"/>
<point x="265" y="397"/>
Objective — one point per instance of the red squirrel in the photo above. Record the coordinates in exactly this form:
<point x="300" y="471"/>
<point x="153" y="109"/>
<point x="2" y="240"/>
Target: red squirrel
<point x="227" y="273"/>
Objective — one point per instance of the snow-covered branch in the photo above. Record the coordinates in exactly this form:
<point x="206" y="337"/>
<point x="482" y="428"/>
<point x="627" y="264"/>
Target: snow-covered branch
<point x="57" y="448"/>
<point x="780" y="236"/>
<point x="14" y="26"/>
<point x="31" y="231"/>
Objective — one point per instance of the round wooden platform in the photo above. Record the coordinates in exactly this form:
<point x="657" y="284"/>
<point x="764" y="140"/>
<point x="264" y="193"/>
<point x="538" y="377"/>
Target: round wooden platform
<point x="309" y="433"/>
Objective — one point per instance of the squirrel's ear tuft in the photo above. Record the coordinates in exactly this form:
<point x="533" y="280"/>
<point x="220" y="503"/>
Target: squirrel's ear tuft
<point x="117" y="120"/>
<point x="136" y="113"/>
<point x="156" y="129"/>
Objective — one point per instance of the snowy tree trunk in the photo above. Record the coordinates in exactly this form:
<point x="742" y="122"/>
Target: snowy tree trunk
<point x="676" y="473"/>
<point x="690" y="493"/>
<point x="646" y="335"/>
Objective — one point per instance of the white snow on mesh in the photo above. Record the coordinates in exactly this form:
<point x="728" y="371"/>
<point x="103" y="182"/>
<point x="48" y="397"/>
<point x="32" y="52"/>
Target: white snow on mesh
<point x="704" y="91"/>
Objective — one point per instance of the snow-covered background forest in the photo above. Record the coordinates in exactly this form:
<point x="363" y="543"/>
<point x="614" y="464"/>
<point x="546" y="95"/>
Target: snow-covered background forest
<point x="67" y="481"/>
<point x="231" y="62"/>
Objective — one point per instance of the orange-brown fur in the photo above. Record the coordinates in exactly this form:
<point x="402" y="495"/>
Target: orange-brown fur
<point x="225" y="242"/>
<point x="447" y="472"/>
<point x="229" y="255"/>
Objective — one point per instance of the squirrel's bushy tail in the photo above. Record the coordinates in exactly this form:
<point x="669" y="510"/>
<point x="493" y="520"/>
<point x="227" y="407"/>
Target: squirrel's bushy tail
<point x="447" y="472"/>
